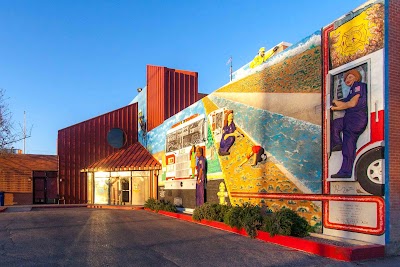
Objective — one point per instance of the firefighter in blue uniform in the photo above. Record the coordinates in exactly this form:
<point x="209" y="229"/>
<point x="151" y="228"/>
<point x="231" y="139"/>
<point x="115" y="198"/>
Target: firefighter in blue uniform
<point x="352" y="124"/>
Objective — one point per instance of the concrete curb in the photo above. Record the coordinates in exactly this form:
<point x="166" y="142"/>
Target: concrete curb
<point x="348" y="253"/>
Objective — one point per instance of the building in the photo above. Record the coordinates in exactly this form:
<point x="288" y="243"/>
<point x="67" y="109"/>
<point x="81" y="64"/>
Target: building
<point x="101" y="159"/>
<point x="284" y="147"/>
<point x="29" y="179"/>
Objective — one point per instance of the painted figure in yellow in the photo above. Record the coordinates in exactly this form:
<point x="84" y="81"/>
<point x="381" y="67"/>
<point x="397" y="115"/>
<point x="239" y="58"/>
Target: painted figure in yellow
<point x="262" y="57"/>
<point x="192" y="155"/>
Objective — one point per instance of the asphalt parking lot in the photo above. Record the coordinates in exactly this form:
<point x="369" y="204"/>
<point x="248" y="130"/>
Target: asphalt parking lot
<point x="96" y="237"/>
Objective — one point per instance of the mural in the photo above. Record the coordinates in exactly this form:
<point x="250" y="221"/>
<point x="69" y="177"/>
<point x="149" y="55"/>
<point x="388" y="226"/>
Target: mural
<point x="353" y="120"/>
<point x="361" y="36"/>
<point x="261" y="57"/>
<point x="172" y="141"/>
<point x="201" y="176"/>
<point x="229" y="134"/>
<point x="354" y="96"/>
<point x="356" y="99"/>
<point x="268" y="142"/>
<point x="141" y="99"/>
<point x="259" y="138"/>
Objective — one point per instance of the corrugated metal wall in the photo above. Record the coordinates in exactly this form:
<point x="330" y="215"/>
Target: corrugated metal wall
<point x="84" y="143"/>
<point x="168" y="92"/>
<point x="155" y="95"/>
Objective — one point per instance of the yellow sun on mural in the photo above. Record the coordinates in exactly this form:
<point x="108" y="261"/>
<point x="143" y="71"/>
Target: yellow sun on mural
<point x="355" y="39"/>
<point x="352" y="36"/>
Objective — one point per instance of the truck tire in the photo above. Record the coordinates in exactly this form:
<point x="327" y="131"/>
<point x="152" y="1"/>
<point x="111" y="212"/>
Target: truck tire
<point x="369" y="171"/>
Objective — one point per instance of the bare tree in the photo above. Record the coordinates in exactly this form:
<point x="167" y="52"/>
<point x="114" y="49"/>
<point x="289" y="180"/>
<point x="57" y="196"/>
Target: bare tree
<point x="7" y="133"/>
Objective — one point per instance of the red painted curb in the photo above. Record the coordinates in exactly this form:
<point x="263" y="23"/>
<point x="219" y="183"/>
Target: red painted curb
<point x="355" y="253"/>
<point x="100" y="206"/>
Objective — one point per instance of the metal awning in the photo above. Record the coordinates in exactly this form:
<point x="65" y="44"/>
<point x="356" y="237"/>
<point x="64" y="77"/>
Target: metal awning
<point x="132" y="158"/>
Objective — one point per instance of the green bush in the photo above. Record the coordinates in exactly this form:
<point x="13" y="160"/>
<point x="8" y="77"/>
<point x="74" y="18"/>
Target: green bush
<point x="232" y="217"/>
<point x="211" y="212"/>
<point x="158" y="205"/>
<point x="167" y="206"/>
<point x="246" y="216"/>
<point x="286" y="222"/>
<point x="150" y="203"/>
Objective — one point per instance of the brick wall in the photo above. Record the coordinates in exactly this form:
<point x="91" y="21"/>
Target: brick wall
<point x="393" y="22"/>
<point x="16" y="181"/>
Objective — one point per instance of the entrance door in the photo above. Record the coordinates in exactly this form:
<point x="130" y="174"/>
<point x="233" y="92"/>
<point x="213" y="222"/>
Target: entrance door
<point x="140" y="190"/>
<point x="39" y="190"/>
<point x="115" y="192"/>
<point x="125" y="190"/>
<point x="45" y="187"/>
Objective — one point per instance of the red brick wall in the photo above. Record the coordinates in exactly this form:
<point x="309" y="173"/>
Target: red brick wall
<point x="394" y="117"/>
<point x="16" y="172"/>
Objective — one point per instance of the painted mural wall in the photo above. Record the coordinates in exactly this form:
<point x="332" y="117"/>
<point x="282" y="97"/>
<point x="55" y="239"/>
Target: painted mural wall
<point x="267" y="136"/>
<point x="354" y="124"/>
<point x="142" y="115"/>
<point x="276" y="147"/>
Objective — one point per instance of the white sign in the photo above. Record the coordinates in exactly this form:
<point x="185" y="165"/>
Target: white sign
<point x="353" y="213"/>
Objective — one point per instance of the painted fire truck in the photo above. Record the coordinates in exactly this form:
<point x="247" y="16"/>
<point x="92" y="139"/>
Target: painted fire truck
<point x="216" y="119"/>
<point x="368" y="167"/>
<point x="179" y="142"/>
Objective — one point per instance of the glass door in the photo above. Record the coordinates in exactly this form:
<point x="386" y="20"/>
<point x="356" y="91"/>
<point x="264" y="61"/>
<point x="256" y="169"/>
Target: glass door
<point x="125" y="186"/>
<point x="101" y="190"/>
<point x="140" y="190"/>
<point x="115" y="192"/>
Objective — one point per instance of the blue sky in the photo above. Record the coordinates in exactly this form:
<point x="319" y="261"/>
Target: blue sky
<point x="64" y="62"/>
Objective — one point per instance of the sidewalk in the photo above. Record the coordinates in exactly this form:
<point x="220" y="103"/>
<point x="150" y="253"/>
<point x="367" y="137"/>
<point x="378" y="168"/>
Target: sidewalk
<point x="23" y="208"/>
<point x="318" y="244"/>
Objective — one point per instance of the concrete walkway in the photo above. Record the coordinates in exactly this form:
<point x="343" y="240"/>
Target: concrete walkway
<point x="24" y="208"/>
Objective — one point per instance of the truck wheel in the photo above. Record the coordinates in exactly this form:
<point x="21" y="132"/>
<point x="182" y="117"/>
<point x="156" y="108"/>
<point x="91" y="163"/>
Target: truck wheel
<point x="369" y="171"/>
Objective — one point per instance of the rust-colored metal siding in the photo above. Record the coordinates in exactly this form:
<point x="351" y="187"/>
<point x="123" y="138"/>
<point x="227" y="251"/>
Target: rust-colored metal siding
<point x="155" y="94"/>
<point x="132" y="158"/>
<point x="84" y="143"/>
<point x="168" y="92"/>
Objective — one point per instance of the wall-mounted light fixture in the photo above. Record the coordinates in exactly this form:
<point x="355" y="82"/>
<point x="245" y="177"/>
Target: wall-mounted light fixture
<point x="139" y="89"/>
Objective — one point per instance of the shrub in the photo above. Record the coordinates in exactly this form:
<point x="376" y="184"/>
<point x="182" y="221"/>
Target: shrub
<point x="158" y="205"/>
<point x="246" y="216"/>
<point x="286" y="222"/>
<point x="150" y="203"/>
<point x="232" y="217"/>
<point x="167" y="206"/>
<point x="211" y="212"/>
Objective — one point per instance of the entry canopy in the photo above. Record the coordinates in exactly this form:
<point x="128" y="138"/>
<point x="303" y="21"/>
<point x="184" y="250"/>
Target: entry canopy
<point x="132" y="158"/>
